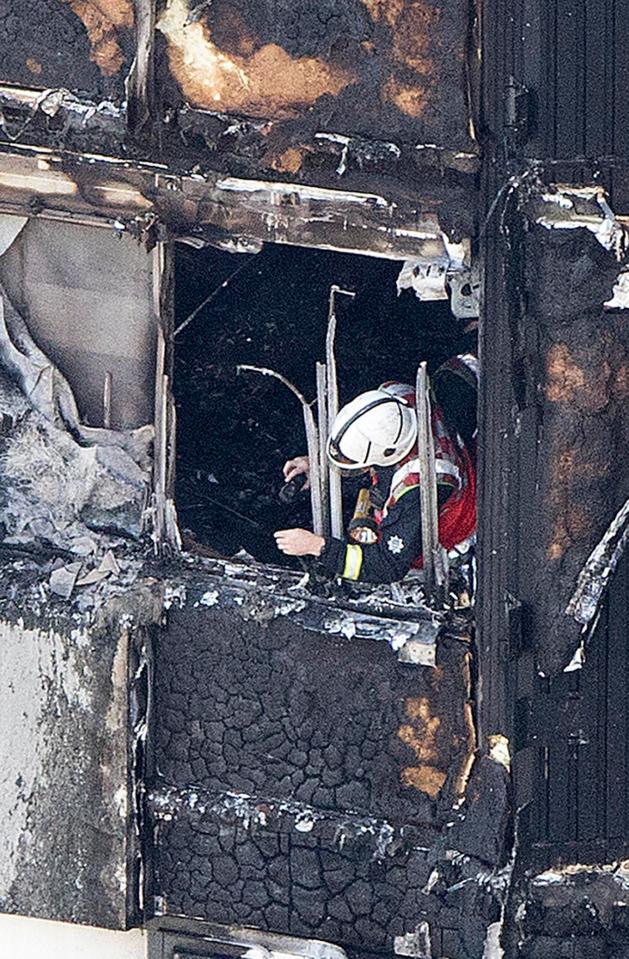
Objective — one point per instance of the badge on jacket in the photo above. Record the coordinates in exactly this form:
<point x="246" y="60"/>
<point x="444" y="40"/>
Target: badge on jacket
<point x="395" y="544"/>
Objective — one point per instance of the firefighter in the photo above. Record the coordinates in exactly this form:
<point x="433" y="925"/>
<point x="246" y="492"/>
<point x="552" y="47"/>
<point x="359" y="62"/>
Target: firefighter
<point x="377" y="434"/>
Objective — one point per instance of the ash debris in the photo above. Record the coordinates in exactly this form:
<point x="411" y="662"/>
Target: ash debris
<point x="71" y="515"/>
<point x="73" y="497"/>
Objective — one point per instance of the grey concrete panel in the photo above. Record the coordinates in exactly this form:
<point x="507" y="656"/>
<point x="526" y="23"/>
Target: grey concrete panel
<point x="86" y="294"/>
<point x="64" y="800"/>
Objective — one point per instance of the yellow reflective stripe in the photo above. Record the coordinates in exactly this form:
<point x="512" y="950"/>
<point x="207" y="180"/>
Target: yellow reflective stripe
<point x="405" y="490"/>
<point x="353" y="562"/>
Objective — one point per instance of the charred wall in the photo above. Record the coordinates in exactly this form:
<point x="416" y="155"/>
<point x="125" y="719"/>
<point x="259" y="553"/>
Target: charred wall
<point x="555" y="434"/>
<point x="285" y="713"/>
<point x="381" y="70"/>
<point x="361" y="95"/>
<point x="575" y="357"/>
<point x="80" y="45"/>
<point x="307" y="783"/>
<point x="575" y="910"/>
<point x="555" y="471"/>
<point x="569" y="368"/>
<point x="553" y="92"/>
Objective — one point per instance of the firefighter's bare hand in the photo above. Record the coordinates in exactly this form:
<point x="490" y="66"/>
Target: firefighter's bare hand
<point x="299" y="542"/>
<point x="295" y="467"/>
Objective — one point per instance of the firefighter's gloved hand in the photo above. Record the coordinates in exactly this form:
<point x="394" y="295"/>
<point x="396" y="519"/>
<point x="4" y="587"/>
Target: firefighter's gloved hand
<point x="295" y="467"/>
<point x="299" y="542"/>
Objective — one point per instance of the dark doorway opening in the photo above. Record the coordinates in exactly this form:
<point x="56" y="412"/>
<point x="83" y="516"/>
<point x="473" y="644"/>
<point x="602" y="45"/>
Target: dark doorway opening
<point x="236" y="431"/>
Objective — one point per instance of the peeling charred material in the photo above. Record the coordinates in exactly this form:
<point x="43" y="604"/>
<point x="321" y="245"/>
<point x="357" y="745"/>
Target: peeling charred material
<point x="203" y="142"/>
<point x="310" y="156"/>
<point x="600" y="567"/>
<point x="582" y="387"/>
<point x="562" y="207"/>
<point x="146" y="197"/>
<point x="263" y="593"/>
<point x="55" y="118"/>
<point x="253" y="716"/>
<point x="569" y="361"/>
<point x="574" y="909"/>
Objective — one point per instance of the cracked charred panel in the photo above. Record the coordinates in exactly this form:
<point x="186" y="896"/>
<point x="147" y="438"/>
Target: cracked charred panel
<point x="63" y="769"/>
<point x="211" y="865"/>
<point x="83" y="45"/>
<point x="378" y="68"/>
<point x="359" y="882"/>
<point x="584" y="443"/>
<point x="282" y="712"/>
<point x="280" y="796"/>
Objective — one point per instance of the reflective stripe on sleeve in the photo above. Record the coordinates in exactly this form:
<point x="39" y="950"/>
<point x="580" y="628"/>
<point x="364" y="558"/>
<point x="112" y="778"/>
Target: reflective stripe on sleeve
<point x="353" y="562"/>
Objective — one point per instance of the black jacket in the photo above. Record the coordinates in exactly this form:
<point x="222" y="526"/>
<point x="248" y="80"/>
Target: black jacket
<point x="400" y="541"/>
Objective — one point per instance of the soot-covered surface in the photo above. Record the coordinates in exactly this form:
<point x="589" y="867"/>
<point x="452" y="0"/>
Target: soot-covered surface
<point x="236" y="431"/>
<point x="84" y="47"/>
<point x="302" y="782"/>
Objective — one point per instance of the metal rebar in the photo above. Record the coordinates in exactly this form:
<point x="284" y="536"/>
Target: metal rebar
<point x="322" y="418"/>
<point x="159" y="454"/>
<point x="107" y="401"/>
<point x="312" y="441"/>
<point x="434" y="563"/>
<point x="334" y="479"/>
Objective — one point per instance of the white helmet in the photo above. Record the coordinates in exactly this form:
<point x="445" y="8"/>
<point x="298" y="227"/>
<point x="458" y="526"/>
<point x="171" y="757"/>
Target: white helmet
<point x="378" y="428"/>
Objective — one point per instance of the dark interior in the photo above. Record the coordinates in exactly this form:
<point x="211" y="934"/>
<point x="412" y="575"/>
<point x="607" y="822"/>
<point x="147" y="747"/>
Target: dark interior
<point x="236" y="431"/>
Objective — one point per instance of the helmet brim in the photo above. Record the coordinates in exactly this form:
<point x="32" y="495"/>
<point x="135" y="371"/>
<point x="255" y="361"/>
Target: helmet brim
<point x="340" y="462"/>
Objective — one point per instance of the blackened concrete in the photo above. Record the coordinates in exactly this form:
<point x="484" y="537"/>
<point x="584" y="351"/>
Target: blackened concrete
<point x="304" y="783"/>
<point x="69" y="845"/>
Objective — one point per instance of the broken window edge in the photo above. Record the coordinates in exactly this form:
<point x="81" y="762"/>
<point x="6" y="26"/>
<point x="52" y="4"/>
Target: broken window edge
<point x="560" y="206"/>
<point x="594" y="578"/>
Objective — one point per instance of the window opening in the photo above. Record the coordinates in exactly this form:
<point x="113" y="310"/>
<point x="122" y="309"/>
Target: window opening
<point x="270" y="309"/>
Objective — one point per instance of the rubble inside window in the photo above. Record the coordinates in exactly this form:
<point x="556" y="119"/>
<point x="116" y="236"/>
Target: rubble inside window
<point x="269" y="310"/>
<point x="76" y="446"/>
<point x="86" y="453"/>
